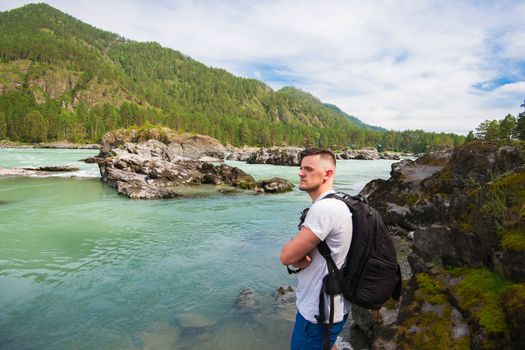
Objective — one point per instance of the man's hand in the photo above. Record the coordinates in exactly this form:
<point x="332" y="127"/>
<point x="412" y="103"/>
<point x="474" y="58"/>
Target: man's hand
<point x="303" y="263"/>
<point x="296" y="250"/>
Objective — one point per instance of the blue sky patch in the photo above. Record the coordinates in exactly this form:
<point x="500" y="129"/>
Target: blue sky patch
<point x="401" y="57"/>
<point x="274" y="75"/>
<point x="492" y="85"/>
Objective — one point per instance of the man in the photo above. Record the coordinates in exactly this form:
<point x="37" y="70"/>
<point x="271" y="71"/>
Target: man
<point x="329" y="220"/>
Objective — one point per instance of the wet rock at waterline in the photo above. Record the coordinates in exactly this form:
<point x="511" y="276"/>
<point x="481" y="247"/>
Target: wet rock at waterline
<point x="248" y="299"/>
<point x="285" y="295"/>
<point x="53" y="168"/>
<point x="91" y="160"/>
<point x="31" y="171"/>
<point x="275" y="185"/>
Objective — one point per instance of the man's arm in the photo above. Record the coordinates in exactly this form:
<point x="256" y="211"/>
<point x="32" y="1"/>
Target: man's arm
<point x="296" y="250"/>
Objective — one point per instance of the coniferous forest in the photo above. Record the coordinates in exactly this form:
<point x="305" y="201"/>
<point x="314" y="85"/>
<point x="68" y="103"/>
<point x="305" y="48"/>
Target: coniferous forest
<point x="62" y="79"/>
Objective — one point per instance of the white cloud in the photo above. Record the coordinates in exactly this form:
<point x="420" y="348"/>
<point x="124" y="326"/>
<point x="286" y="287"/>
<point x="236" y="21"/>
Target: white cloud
<point x="397" y="64"/>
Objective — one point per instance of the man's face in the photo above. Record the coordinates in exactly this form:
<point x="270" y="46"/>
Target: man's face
<point x="311" y="173"/>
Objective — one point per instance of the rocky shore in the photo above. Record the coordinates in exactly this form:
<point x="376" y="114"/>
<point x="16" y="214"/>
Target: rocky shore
<point x="54" y="145"/>
<point x="154" y="163"/>
<point x="289" y="156"/>
<point x="465" y="211"/>
<point x="31" y="171"/>
<point x="206" y="148"/>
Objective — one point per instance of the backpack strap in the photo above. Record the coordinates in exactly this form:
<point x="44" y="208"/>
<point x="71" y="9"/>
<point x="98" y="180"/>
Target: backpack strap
<point x="329" y="283"/>
<point x="321" y="318"/>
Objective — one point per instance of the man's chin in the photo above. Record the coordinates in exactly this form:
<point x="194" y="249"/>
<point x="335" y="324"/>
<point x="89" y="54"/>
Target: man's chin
<point x="304" y="188"/>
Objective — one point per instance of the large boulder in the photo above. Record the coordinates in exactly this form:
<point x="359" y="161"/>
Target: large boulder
<point x="365" y="154"/>
<point x="276" y="156"/>
<point x="400" y="199"/>
<point x="240" y="154"/>
<point x="179" y="145"/>
<point x="275" y="185"/>
<point x="461" y="205"/>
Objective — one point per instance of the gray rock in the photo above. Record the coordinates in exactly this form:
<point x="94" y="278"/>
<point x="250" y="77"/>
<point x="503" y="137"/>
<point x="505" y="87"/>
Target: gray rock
<point x="285" y="294"/>
<point x="91" y="160"/>
<point x="459" y="326"/>
<point x="53" y="168"/>
<point x="240" y="154"/>
<point x="365" y="154"/>
<point x="248" y="299"/>
<point x="199" y="146"/>
<point x="36" y="171"/>
<point x="276" y="156"/>
<point x="437" y="309"/>
<point x="365" y="319"/>
<point x="275" y="185"/>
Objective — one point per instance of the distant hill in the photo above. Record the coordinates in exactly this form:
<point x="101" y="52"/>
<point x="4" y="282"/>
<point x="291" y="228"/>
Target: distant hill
<point x="61" y="78"/>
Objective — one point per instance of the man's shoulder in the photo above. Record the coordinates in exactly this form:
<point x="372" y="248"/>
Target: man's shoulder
<point x="330" y="205"/>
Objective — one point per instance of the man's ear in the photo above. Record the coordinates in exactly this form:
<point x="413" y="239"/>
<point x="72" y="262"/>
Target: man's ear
<point x="328" y="173"/>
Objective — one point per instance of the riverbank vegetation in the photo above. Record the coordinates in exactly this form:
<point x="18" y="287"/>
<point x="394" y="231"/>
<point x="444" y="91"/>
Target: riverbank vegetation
<point x="505" y="130"/>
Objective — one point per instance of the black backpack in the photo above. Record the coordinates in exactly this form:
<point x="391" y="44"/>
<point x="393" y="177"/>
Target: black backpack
<point x="371" y="274"/>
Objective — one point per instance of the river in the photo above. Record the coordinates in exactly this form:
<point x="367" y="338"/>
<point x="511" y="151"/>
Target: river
<point x="84" y="268"/>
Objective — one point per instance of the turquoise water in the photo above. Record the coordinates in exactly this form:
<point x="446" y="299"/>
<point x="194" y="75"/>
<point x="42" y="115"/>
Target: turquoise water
<point x="84" y="268"/>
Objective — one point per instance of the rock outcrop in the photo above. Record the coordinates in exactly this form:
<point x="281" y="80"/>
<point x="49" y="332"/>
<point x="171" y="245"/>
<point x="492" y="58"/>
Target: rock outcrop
<point x="179" y="145"/>
<point x="465" y="210"/>
<point x="365" y="153"/>
<point x="32" y="171"/>
<point x="240" y="154"/>
<point x="153" y="164"/>
<point x="275" y="185"/>
<point x="276" y="156"/>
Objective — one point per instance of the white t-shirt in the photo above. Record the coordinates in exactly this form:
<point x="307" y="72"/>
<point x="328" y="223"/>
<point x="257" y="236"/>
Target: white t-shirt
<point x="330" y="220"/>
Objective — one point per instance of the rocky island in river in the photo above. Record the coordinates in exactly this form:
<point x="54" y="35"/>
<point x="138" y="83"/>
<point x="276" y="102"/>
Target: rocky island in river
<point x="147" y="164"/>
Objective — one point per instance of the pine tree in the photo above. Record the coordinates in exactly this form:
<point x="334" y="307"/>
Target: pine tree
<point x="507" y="127"/>
<point x="3" y="126"/>
<point x="520" y="127"/>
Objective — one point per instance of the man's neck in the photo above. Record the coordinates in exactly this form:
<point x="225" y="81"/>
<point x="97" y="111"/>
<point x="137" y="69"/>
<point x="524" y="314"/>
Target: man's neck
<point x="315" y="194"/>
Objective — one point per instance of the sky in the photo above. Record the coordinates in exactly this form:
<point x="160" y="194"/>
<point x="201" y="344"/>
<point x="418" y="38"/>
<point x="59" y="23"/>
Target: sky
<point x="441" y="66"/>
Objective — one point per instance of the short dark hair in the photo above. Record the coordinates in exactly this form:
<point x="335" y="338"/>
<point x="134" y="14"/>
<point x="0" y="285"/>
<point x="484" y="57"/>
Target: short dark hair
<point x="323" y="152"/>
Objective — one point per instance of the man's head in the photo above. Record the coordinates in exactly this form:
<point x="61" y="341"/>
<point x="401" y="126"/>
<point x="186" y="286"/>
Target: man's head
<point x="317" y="171"/>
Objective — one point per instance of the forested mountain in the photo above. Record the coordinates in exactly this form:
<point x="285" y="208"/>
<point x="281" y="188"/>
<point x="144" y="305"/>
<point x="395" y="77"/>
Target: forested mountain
<point x="63" y="79"/>
<point x="353" y="119"/>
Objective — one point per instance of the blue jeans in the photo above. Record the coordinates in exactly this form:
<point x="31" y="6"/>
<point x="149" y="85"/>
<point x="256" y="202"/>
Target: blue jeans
<point x="309" y="336"/>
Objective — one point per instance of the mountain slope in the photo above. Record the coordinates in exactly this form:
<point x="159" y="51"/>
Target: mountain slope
<point x="61" y="78"/>
<point x="354" y="120"/>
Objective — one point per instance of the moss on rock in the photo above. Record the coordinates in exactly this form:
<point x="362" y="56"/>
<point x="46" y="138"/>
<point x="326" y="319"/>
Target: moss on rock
<point x="479" y="294"/>
<point x="429" y="320"/>
<point x="430" y="289"/>
<point x="245" y="183"/>
<point x="513" y="301"/>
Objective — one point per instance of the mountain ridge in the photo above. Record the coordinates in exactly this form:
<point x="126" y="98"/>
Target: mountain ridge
<point x="53" y="64"/>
